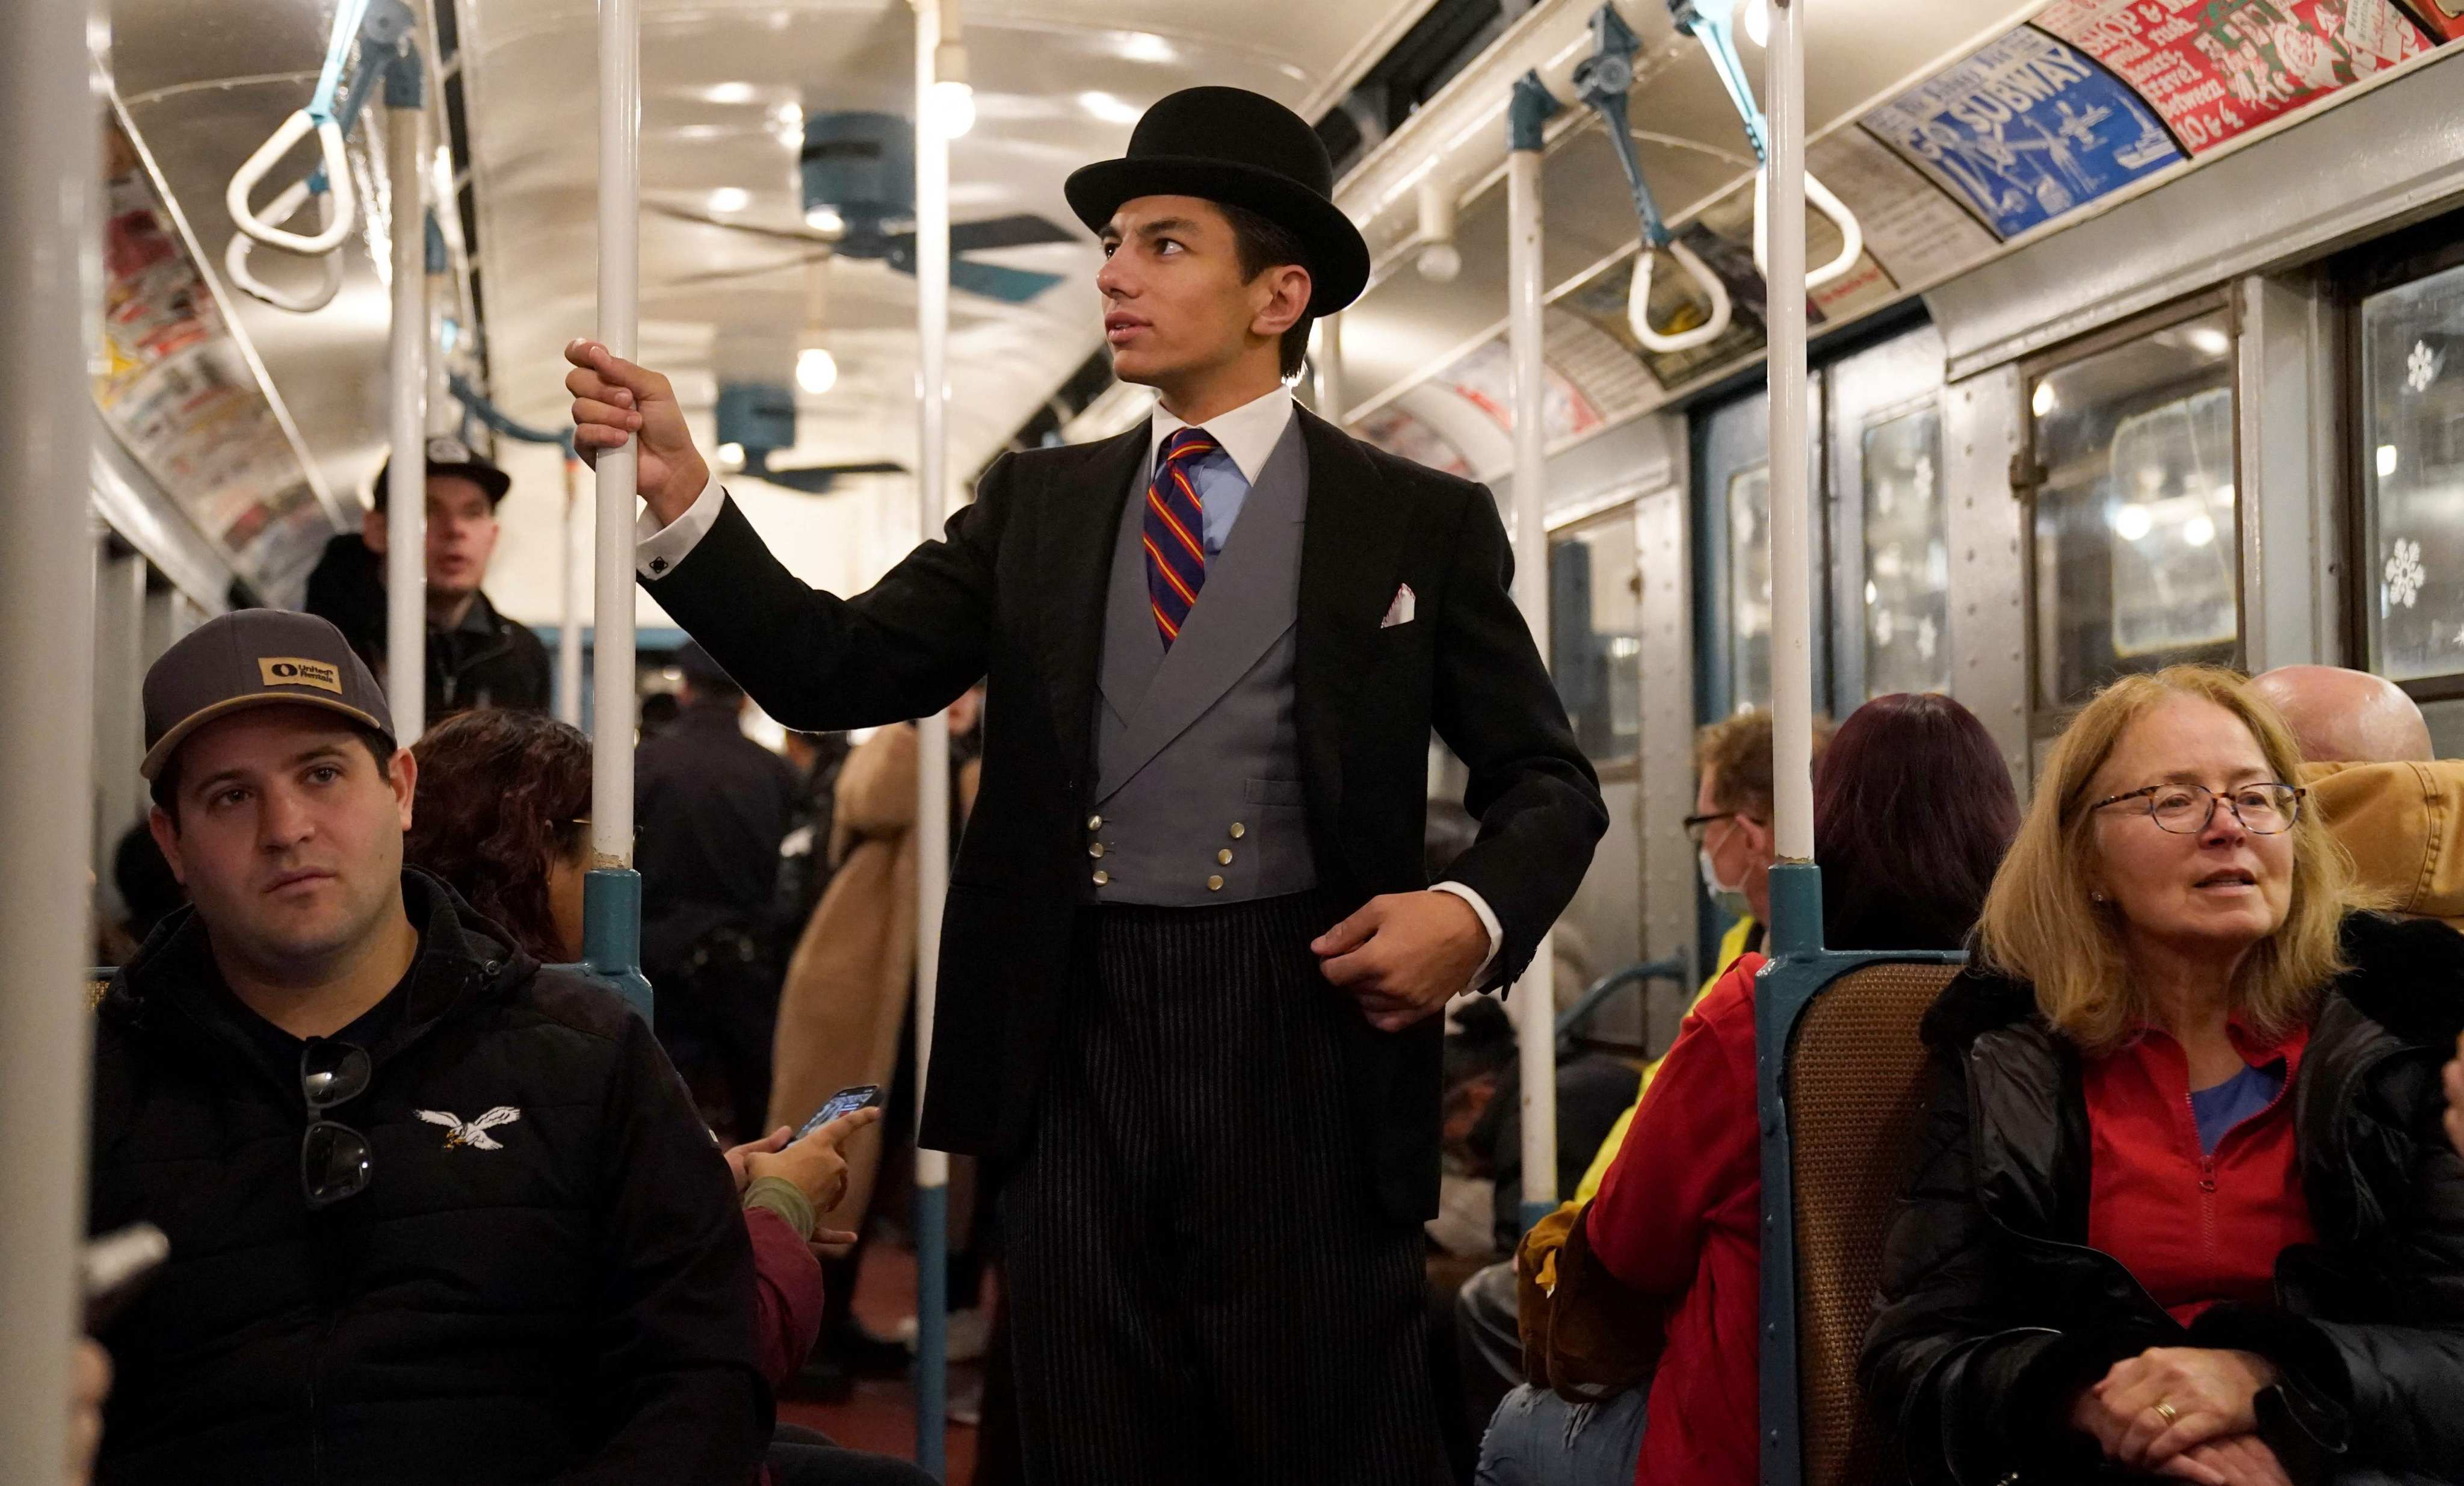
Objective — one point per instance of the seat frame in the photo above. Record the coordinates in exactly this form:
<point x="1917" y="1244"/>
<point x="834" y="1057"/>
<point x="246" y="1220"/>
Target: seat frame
<point x="1799" y="970"/>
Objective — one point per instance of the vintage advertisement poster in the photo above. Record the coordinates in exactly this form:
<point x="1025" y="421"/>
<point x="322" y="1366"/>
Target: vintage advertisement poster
<point x="1610" y="378"/>
<point x="1485" y="379"/>
<point x="2215" y="68"/>
<point x="1918" y="235"/>
<point x="175" y="388"/>
<point x="2025" y="131"/>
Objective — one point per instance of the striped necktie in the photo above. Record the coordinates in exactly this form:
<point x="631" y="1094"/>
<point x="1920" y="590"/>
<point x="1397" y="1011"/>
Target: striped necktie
<point x="1176" y="527"/>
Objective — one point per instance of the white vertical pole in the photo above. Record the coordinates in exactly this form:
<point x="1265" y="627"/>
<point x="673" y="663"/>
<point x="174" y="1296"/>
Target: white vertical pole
<point x="407" y="482"/>
<point x="49" y="124"/>
<point x="1535" y="1000"/>
<point x="575" y="575"/>
<point x="934" y="23"/>
<point x="1791" y="540"/>
<point x="620" y="193"/>
<point x="1330" y="369"/>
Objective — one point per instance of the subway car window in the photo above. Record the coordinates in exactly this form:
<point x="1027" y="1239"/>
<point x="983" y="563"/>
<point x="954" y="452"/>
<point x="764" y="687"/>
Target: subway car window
<point x="2135" y="531"/>
<point x="1595" y="633"/>
<point x="1907" y="555"/>
<point x="2413" y="412"/>
<point x="1749" y="588"/>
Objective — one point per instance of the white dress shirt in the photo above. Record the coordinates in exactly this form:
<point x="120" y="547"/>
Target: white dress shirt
<point x="1247" y="434"/>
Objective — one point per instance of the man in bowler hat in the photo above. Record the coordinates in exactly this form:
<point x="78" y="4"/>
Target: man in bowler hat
<point x="1192" y="968"/>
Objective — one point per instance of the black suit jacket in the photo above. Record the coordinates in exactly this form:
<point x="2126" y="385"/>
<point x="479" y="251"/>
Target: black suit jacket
<point x="1014" y="592"/>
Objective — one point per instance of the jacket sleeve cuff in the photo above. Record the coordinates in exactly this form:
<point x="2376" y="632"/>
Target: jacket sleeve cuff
<point x="2308" y="1410"/>
<point x="658" y="549"/>
<point x="1488" y="925"/>
<point x="785" y="1201"/>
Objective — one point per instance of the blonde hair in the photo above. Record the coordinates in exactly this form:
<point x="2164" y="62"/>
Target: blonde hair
<point x="2043" y="924"/>
<point x="1736" y="752"/>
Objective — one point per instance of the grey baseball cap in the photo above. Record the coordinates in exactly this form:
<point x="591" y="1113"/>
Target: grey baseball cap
<point x="251" y="658"/>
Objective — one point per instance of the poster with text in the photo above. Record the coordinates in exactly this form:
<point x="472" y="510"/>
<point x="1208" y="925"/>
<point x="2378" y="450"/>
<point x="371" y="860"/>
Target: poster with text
<point x="2215" y="68"/>
<point x="2024" y="130"/>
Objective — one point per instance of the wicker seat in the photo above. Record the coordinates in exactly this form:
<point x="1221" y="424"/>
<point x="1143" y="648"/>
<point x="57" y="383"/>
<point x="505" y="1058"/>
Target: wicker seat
<point x="1856" y="1080"/>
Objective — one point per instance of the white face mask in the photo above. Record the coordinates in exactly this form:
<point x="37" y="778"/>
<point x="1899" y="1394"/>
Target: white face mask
<point x="1711" y="878"/>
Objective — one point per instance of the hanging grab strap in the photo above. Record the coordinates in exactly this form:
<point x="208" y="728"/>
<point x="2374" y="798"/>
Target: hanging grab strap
<point x="1601" y="81"/>
<point x="381" y="27"/>
<point x="1714" y="24"/>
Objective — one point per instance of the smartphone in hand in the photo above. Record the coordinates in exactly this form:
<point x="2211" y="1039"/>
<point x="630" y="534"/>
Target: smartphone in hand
<point x="846" y="1101"/>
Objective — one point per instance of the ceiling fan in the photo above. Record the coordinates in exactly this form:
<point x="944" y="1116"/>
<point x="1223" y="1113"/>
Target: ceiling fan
<point x="858" y="179"/>
<point x="759" y="418"/>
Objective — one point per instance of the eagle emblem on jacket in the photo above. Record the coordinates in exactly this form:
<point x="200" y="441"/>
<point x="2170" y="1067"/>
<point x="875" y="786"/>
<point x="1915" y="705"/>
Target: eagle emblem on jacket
<point x="473" y="1133"/>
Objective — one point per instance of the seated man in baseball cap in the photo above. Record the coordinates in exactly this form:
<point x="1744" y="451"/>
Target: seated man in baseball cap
<point x="477" y="658"/>
<point x="436" y="1213"/>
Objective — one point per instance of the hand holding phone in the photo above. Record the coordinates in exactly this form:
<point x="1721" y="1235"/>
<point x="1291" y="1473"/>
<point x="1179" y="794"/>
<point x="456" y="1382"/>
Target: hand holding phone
<point x="812" y="1161"/>
<point x="847" y="1101"/>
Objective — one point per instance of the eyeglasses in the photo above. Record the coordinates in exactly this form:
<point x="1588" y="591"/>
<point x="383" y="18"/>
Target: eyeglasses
<point x="2185" y="809"/>
<point x="333" y="1158"/>
<point x="1698" y="827"/>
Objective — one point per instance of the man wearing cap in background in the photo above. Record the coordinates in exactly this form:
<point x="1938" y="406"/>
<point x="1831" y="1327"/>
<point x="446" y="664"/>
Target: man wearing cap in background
<point x="477" y="658"/>
<point x="435" y="1214"/>
<point x="1191" y="967"/>
<point x="710" y="808"/>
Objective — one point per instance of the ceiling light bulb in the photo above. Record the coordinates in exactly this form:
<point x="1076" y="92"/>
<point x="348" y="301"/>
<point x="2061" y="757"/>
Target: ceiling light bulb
<point x="730" y="92"/>
<point x="2133" y="521"/>
<point x="730" y="198"/>
<point x="825" y="219"/>
<point x="2387" y="460"/>
<point x="1108" y="108"/>
<point x="2043" y="401"/>
<point x="731" y="456"/>
<point x="2208" y="341"/>
<point x="1758" y="22"/>
<point x="1439" y="263"/>
<point x="951" y="109"/>
<point x="2198" y="531"/>
<point x="1145" y="46"/>
<point x="817" y="372"/>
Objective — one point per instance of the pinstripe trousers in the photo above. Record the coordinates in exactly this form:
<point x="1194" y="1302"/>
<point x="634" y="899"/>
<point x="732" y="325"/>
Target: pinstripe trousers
<point x="1203" y="1290"/>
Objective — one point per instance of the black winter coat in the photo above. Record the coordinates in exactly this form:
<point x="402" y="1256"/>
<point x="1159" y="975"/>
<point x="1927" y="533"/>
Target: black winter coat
<point x="572" y="1301"/>
<point x="485" y="661"/>
<point x="1993" y="1311"/>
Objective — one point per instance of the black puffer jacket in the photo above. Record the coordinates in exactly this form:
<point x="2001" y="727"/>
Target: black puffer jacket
<point x="1995" y="1311"/>
<point x="568" y="1297"/>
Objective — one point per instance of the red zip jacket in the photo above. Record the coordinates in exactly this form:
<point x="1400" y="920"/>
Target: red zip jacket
<point x="1677" y="1218"/>
<point x="2195" y="1229"/>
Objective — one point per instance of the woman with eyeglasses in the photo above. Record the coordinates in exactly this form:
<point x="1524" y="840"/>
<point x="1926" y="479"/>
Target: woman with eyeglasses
<point x="2182" y="1206"/>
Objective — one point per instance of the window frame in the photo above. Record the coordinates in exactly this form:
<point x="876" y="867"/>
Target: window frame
<point x="2028" y="473"/>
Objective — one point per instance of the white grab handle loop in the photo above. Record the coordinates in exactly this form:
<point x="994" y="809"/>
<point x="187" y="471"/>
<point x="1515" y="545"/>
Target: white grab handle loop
<point x="1852" y="235"/>
<point x="338" y="180"/>
<point x="235" y="258"/>
<point x="1638" y="304"/>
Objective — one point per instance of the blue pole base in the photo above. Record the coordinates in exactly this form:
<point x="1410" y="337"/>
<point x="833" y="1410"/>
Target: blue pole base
<point x="932" y="1329"/>
<point x="611" y="935"/>
<point x="1534" y="1211"/>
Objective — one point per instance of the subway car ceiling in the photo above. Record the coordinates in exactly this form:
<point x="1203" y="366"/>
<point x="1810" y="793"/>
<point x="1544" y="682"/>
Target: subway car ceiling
<point x="2027" y="173"/>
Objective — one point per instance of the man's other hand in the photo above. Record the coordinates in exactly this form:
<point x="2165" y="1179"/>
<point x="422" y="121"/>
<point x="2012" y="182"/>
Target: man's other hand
<point x="613" y="400"/>
<point x="1403" y="955"/>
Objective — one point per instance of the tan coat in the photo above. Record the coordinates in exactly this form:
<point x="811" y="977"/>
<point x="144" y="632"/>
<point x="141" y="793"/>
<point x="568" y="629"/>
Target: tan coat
<point x="848" y="984"/>
<point x="2404" y="823"/>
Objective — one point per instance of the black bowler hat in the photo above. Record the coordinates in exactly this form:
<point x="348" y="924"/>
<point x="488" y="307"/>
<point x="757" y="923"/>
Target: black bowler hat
<point x="1243" y="149"/>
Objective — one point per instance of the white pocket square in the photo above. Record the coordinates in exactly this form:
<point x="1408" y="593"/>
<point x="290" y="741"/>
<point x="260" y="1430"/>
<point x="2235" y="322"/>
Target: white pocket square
<point x="1400" y="611"/>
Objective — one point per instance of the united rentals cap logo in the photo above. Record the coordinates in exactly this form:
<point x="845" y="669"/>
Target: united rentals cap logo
<point x="299" y="671"/>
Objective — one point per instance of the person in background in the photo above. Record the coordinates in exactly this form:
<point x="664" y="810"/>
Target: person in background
<point x="500" y="796"/>
<point x="805" y="864"/>
<point x="710" y="808"/>
<point x="2181" y="1203"/>
<point x="659" y="713"/>
<point x="1913" y="808"/>
<point x="148" y="891"/>
<point x="2368" y="765"/>
<point x="1731" y="828"/>
<point x="435" y="1214"/>
<point x="477" y="658"/>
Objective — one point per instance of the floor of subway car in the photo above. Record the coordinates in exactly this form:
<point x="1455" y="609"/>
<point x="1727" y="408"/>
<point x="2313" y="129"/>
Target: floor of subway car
<point x="880" y="1414"/>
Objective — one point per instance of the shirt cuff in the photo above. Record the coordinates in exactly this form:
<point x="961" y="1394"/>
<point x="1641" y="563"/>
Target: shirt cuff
<point x="1487" y="922"/>
<point x="784" y="1199"/>
<point x="657" y="549"/>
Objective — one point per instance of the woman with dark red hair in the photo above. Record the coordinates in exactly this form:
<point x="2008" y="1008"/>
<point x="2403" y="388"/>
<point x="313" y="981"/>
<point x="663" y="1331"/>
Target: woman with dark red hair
<point x="1913" y="807"/>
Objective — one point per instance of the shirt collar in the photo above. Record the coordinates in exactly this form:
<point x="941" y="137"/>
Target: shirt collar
<point x="1248" y="432"/>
